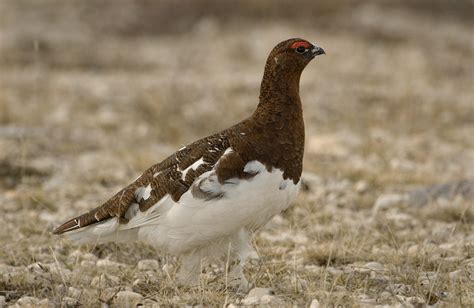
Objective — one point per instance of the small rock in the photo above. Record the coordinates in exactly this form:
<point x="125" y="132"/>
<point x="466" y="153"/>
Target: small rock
<point x="148" y="265"/>
<point x="167" y="268"/>
<point x="88" y="264"/>
<point x="127" y="299"/>
<point x="388" y="200"/>
<point x="104" y="281"/>
<point x="413" y="249"/>
<point x="314" y="304"/>
<point x="69" y="302"/>
<point x="453" y="259"/>
<point x="89" y="257"/>
<point x="271" y="300"/>
<point x="27" y="301"/>
<point x="364" y="299"/>
<point x="44" y="303"/>
<point x="74" y="293"/>
<point x="385" y="296"/>
<point x="334" y="271"/>
<point x="361" y="187"/>
<point x="374" y="266"/>
<point x="250" y="301"/>
<point x="104" y="263"/>
<point x="255" y="296"/>
<point x="456" y="275"/>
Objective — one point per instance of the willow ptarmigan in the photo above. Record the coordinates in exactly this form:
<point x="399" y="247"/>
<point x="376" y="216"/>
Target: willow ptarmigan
<point x="204" y="201"/>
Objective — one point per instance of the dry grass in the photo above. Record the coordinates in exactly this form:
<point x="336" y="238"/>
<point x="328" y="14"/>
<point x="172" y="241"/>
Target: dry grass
<point x="87" y="104"/>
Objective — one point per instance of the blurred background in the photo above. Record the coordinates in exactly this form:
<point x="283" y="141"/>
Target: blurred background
<point x="93" y="92"/>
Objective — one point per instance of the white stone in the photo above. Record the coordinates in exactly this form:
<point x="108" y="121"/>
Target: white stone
<point x="374" y="266"/>
<point x="3" y="301"/>
<point x="104" y="280"/>
<point x="148" y="265"/>
<point x="271" y="300"/>
<point x="89" y="257"/>
<point x="167" y="268"/>
<point x="88" y="264"/>
<point x="69" y="302"/>
<point x="104" y="263"/>
<point x="361" y="186"/>
<point x="314" y="304"/>
<point x="456" y="275"/>
<point x="44" y="303"/>
<point x="127" y="299"/>
<point x="26" y="301"/>
<point x="388" y="200"/>
<point x="252" y="300"/>
<point x="334" y="271"/>
<point x="74" y="292"/>
<point x="256" y="295"/>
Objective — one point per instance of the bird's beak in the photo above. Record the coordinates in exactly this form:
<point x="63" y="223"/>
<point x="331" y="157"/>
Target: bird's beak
<point x="316" y="51"/>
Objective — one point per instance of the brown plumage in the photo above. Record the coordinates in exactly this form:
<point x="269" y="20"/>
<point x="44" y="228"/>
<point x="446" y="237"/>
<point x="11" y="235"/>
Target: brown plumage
<point x="273" y="135"/>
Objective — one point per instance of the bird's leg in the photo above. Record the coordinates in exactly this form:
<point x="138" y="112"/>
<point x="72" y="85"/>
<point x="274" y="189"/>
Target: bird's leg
<point x="242" y="250"/>
<point x="188" y="274"/>
<point x="236" y="278"/>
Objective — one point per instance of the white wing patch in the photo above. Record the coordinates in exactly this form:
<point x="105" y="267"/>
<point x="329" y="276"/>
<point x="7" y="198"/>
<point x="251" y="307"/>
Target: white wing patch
<point x="143" y="193"/>
<point x="228" y="151"/>
<point x="194" y="166"/>
<point x="253" y="167"/>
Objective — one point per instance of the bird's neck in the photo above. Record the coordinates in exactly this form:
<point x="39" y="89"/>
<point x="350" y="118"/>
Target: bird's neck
<point x="279" y="95"/>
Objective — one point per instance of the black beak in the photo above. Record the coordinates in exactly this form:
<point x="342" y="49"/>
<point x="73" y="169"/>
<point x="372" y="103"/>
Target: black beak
<point x="316" y="51"/>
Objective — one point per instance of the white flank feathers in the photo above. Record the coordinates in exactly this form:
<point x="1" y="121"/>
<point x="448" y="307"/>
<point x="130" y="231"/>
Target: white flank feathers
<point x="195" y="223"/>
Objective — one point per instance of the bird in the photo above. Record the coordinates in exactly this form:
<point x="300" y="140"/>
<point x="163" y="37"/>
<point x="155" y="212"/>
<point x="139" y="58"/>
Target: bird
<point x="204" y="202"/>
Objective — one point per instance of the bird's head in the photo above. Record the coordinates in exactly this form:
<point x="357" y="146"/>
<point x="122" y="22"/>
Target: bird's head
<point x="293" y="54"/>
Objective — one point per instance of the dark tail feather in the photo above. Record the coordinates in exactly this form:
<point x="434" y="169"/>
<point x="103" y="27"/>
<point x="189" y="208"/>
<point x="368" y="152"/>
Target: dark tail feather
<point x="81" y="221"/>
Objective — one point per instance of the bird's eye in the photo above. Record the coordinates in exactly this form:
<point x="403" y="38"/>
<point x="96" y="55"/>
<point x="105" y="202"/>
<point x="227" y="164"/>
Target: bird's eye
<point x="301" y="49"/>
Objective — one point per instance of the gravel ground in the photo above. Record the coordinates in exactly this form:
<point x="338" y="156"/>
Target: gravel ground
<point x="385" y="216"/>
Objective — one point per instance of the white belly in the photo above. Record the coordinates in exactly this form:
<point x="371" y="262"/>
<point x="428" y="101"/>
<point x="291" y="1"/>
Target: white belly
<point x="193" y="223"/>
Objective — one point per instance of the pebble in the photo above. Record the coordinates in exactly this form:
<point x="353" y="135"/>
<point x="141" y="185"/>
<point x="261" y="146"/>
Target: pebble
<point x="271" y="300"/>
<point x="456" y="275"/>
<point x="89" y="257"/>
<point x="106" y="263"/>
<point x="74" y="292"/>
<point x="454" y="259"/>
<point x="148" y="265"/>
<point x="334" y="271"/>
<point x="26" y="301"/>
<point x="88" y="264"/>
<point x="167" y="268"/>
<point x="361" y="187"/>
<point x="104" y="280"/>
<point x="388" y="200"/>
<point x="374" y="266"/>
<point x="257" y="295"/>
<point x="69" y="302"/>
<point x="127" y="299"/>
<point x="385" y="296"/>
<point x="314" y="304"/>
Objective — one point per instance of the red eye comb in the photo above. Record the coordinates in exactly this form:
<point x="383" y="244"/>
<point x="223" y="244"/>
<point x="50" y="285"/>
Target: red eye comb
<point x="300" y="43"/>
